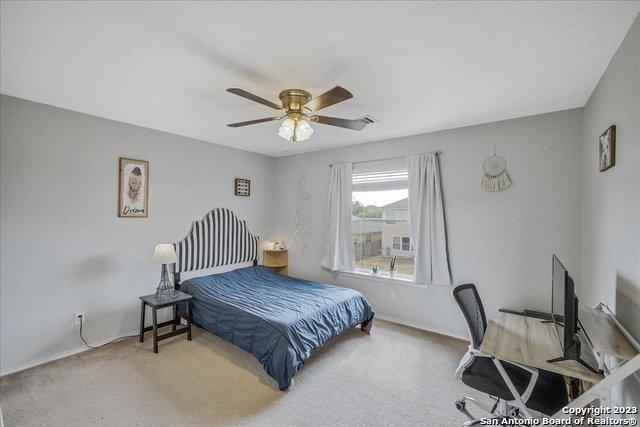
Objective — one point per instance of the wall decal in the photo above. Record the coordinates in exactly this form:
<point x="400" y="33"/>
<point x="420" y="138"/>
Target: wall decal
<point x="607" y="149"/>
<point x="304" y="214"/>
<point x="133" y="188"/>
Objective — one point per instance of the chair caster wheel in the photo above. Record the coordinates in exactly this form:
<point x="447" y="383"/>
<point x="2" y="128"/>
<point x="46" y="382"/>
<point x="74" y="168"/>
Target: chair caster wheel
<point x="460" y="404"/>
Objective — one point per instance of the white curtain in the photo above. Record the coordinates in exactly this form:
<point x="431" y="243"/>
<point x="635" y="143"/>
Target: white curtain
<point x="337" y="250"/>
<point x="426" y="210"/>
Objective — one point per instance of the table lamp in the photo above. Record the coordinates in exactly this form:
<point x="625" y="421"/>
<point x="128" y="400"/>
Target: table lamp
<point x="165" y="254"/>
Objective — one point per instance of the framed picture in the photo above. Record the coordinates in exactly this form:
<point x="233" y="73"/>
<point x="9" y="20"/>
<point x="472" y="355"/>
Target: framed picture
<point x="607" y="149"/>
<point x="133" y="188"/>
<point x="242" y="187"/>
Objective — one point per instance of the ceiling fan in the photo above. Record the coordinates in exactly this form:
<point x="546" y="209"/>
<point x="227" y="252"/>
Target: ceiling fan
<point x="299" y="109"/>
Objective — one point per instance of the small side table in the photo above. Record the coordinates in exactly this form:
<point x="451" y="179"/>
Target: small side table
<point x="277" y="259"/>
<point x="155" y="303"/>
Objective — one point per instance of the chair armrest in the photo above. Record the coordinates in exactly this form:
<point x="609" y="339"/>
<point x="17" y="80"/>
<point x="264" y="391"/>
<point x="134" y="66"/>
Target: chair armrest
<point x="478" y="353"/>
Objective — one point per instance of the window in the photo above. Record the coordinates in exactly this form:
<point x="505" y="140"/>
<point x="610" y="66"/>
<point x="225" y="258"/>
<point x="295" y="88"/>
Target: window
<point x="390" y="215"/>
<point x="402" y="243"/>
<point x="406" y="245"/>
<point x="380" y="216"/>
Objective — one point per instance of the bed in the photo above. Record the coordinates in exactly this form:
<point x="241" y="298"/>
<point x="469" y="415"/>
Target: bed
<point x="279" y="319"/>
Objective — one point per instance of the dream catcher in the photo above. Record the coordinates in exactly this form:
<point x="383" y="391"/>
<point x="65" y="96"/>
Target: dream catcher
<point x="495" y="176"/>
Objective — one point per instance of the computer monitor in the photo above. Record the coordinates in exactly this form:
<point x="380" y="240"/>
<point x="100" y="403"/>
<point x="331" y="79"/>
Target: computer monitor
<point x="564" y="313"/>
<point x="559" y="277"/>
<point x="564" y="304"/>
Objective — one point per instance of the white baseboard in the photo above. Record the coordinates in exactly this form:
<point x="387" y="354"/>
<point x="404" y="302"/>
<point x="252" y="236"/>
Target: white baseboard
<point x="65" y="354"/>
<point x="421" y="327"/>
<point x="134" y="333"/>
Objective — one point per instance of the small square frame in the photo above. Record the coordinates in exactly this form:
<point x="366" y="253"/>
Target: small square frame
<point x="242" y="187"/>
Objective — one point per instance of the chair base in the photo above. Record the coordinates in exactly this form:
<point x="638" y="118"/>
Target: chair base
<point x="461" y="404"/>
<point x="479" y="422"/>
<point x="501" y="409"/>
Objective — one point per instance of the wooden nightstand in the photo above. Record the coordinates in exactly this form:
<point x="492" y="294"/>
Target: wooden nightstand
<point x="155" y="303"/>
<point x="276" y="259"/>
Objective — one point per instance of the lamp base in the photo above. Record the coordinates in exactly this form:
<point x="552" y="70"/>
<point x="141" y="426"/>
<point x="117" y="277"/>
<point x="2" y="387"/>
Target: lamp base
<point x="165" y="289"/>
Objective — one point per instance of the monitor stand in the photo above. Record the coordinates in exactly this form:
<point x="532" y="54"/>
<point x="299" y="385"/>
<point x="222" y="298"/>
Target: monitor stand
<point x="573" y="353"/>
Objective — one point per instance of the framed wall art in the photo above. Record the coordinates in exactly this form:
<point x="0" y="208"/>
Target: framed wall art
<point x="242" y="187"/>
<point x="133" y="188"/>
<point x="607" y="149"/>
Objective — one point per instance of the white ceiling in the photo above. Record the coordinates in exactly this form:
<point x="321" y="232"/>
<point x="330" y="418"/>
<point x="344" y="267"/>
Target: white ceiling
<point x="415" y="67"/>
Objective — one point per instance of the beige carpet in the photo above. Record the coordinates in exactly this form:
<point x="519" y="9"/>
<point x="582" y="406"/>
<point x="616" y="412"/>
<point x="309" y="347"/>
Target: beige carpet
<point x="396" y="376"/>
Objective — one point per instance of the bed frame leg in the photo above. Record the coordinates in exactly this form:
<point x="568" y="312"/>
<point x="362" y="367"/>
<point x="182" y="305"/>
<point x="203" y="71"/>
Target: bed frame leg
<point x="366" y="326"/>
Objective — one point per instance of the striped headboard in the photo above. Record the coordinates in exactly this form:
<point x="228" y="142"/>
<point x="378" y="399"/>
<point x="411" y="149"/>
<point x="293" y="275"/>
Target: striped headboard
<point x="219" y="238"/>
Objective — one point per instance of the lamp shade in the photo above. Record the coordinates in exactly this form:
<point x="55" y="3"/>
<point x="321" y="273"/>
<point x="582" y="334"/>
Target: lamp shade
<point x="303" y="130"/>
<point x="286" y="129"/>
<point x="164" y="254"/>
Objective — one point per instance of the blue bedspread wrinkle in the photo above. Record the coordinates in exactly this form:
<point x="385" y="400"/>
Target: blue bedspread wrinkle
<point x="279" y="319"/>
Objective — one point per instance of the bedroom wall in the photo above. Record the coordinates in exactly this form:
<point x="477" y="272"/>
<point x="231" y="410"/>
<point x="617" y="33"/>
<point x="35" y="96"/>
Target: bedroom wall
<point x="63" y="248"/>
<point x="610" y="233"/>
<point x="502" y="241"/>
<point x="610" y="265"/>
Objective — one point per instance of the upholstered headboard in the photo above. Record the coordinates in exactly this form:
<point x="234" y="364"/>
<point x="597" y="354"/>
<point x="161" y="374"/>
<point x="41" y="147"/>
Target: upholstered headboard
<point x="218" y="239"/>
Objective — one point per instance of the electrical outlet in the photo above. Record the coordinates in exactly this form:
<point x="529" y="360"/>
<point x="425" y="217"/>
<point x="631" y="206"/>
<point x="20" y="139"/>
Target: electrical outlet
<point x="392" y="295"/>
<point x="80" y="316"/>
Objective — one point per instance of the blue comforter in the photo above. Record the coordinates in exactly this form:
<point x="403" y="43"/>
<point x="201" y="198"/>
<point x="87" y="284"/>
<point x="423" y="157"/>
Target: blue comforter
<point x="279" y="319"/>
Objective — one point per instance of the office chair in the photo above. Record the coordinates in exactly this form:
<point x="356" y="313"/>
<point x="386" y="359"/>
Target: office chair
<point x="513" y="386"/>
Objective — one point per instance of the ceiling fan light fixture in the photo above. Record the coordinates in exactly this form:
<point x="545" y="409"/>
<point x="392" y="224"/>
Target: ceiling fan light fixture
<point x="303" y="130"/>
<point x="287" y="129"/>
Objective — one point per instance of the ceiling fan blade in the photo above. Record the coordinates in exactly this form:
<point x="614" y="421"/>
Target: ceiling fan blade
<point x="255" y="98"/>
<point x="330" y="97"/>
<point x="358" y="124"/>
<point x="252" y="122"/>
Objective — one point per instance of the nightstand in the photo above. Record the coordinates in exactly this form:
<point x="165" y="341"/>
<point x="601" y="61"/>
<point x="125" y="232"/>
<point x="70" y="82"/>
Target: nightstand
<point x="155" y="303"/>
<point x="278" y="260"/>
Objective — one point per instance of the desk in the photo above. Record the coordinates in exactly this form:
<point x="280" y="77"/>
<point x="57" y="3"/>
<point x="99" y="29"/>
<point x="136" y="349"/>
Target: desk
<point x="528" y="341"/>
<point x="604" y="335"/>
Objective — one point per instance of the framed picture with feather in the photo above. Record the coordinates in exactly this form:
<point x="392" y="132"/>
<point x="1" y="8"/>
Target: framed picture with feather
<point x="133" y="188"/>
<point x="607" y="149"/>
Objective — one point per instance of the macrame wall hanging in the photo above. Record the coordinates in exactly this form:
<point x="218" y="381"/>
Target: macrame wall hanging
<point x="495" y="176"/>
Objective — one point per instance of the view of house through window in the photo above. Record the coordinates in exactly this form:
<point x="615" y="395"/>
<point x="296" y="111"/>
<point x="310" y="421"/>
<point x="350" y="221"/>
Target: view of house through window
<point x="380" y="217"/>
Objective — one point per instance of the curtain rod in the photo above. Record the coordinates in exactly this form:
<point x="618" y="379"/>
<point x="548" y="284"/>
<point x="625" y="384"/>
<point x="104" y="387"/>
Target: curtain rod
<point x="438" y="152"/>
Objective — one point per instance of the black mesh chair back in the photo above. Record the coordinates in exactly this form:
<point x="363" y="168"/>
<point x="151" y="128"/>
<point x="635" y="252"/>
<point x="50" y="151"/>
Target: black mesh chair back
<point x="469" y="301"/>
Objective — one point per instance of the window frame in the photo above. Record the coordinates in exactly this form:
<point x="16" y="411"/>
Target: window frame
<point x="369" y="178"/>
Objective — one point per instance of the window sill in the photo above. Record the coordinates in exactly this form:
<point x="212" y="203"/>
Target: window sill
<point x="383" y="277"/>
